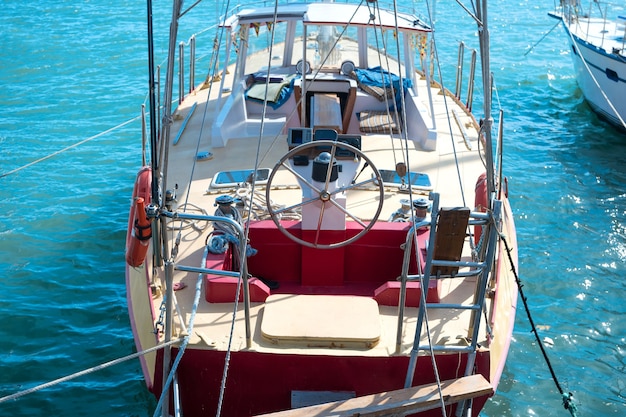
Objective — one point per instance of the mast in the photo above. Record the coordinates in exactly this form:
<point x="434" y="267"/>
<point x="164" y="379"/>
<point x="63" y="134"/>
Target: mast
<point x="152" y="97"/>
<point x="154" y="141"/>
<point x="169" y="84"/>
<point x="483" y="33"/>
<point x="162" y="175"/>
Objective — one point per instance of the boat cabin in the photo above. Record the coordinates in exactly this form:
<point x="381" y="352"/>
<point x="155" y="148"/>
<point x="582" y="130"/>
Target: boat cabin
<point x="314" y="71"/>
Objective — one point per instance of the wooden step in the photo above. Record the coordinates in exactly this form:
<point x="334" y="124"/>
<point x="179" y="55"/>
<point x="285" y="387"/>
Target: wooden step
<point x="399" y="402"/>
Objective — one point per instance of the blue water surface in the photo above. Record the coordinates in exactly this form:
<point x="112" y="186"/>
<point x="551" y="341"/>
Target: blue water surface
<point x="70" y="71"/>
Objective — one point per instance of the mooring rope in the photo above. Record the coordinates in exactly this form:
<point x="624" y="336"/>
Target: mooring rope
<point x="68" y="147"/>
<point x="181" y="349"/>
<point x="88" y="371"/>
<point x="567" y="397"/>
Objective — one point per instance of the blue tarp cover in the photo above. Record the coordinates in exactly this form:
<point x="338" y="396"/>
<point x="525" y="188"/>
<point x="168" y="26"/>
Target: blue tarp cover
<point x="378" y="77"/>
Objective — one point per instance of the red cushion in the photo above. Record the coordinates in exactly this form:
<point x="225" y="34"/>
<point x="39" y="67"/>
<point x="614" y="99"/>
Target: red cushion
<point x="388" y="294"/>
<point x="220" y="289"/>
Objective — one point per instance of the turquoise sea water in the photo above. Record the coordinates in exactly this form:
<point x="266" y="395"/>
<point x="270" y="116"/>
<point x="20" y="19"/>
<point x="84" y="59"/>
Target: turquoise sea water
<point x="70" y="71"/>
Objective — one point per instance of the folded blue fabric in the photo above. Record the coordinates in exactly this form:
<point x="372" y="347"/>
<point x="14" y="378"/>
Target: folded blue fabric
<point x="378" y="77"/>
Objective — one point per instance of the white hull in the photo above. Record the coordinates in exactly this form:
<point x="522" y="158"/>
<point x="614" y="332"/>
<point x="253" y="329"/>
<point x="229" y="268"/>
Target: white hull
<point x="599" y="59"/>
<point x="608" y="89"/>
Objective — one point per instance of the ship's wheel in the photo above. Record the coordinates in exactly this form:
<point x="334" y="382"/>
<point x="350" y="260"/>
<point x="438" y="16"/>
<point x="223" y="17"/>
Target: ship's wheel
<point x="327" y="194"/>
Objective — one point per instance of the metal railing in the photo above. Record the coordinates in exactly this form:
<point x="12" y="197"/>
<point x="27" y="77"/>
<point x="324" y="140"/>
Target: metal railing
<point x="459" y="75"/>
<point x="480" y="269"/>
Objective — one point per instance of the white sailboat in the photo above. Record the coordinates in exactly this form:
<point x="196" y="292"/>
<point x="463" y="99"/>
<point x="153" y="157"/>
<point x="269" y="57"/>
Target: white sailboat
<point x="597" y="37"/>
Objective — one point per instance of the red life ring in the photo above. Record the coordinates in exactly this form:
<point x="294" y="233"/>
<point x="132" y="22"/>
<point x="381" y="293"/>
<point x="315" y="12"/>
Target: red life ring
<point x="480" y="202"/>
<point x="139" y="230"/>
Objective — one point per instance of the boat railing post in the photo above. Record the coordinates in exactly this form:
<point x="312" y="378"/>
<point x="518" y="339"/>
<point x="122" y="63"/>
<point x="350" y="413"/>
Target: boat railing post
<point x="459" y="70"/>
<point x="192" y="63"/>
<point x="144" y="136"/>
<point x="167" y="351"/>
<point x="424" y="284"/>
<point x="604" y="22"/>
<point x="470" y="81"/>
<point x="181" y="72"/>
<point x="589" y="19"/>
<point x="176" y="389"/>
<point x="623" y="34"/>
<point x="158" y="95"/>
<point x="499" y="151"/>
<point x="243" y="265"/>
<point x="303" y="101"/>
<point x="246" y="289"/>
<point x="408" y="246"/>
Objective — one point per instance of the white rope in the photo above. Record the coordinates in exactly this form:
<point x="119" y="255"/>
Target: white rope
<point x="186" y="223"/>
<point x="69" y="147"/>
<point x="256" y="206"/>
<point x="183" y="346"/>
<point x="87" y="371"/>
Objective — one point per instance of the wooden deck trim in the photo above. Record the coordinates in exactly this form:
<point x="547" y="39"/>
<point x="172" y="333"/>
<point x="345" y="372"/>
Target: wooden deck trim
<point x="399" y="402"/>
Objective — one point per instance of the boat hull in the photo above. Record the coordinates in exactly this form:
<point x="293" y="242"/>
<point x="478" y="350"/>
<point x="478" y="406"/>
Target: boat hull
<point x="260" y="383"/>
<point x="598" y="55"/>
<point x="602" y="66"/>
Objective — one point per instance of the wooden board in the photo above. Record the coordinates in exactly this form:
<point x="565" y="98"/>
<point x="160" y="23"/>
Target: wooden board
<point x="182" y="126"/>
<point x="399" y="402"/>
<point x="326" y="112"/>
<point x="451" y="231"/>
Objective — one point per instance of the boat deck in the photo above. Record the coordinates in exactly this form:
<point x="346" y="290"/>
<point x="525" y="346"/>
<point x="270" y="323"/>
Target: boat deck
<point x="356" y="325"/>
<point x="213" y="321"/>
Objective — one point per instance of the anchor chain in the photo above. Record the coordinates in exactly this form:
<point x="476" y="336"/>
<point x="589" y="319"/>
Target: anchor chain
<point x="567" y="397"/>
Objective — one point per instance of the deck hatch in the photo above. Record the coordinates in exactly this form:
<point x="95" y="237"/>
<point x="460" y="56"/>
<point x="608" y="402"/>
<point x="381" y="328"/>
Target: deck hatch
<point x="227" y="179"/>
<point x="333" y="321"/>
<point x="418" y="180"/>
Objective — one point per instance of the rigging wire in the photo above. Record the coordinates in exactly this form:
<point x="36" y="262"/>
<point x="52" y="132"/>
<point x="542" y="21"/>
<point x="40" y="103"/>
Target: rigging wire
<point x="405" y="152"/>
<point x="445" y="102"/>
<point x="240" y="256"/>
<point x="213" y="63"/>
<point x="382" y="40"/>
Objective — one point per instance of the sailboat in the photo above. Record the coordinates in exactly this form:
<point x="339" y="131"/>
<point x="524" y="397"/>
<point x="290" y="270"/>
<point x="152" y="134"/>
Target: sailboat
<point x="597" y="40"/>
<point x="320" y="227"/>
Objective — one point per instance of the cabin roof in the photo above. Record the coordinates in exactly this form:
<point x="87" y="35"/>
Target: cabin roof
<point x="330" y="14"/>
